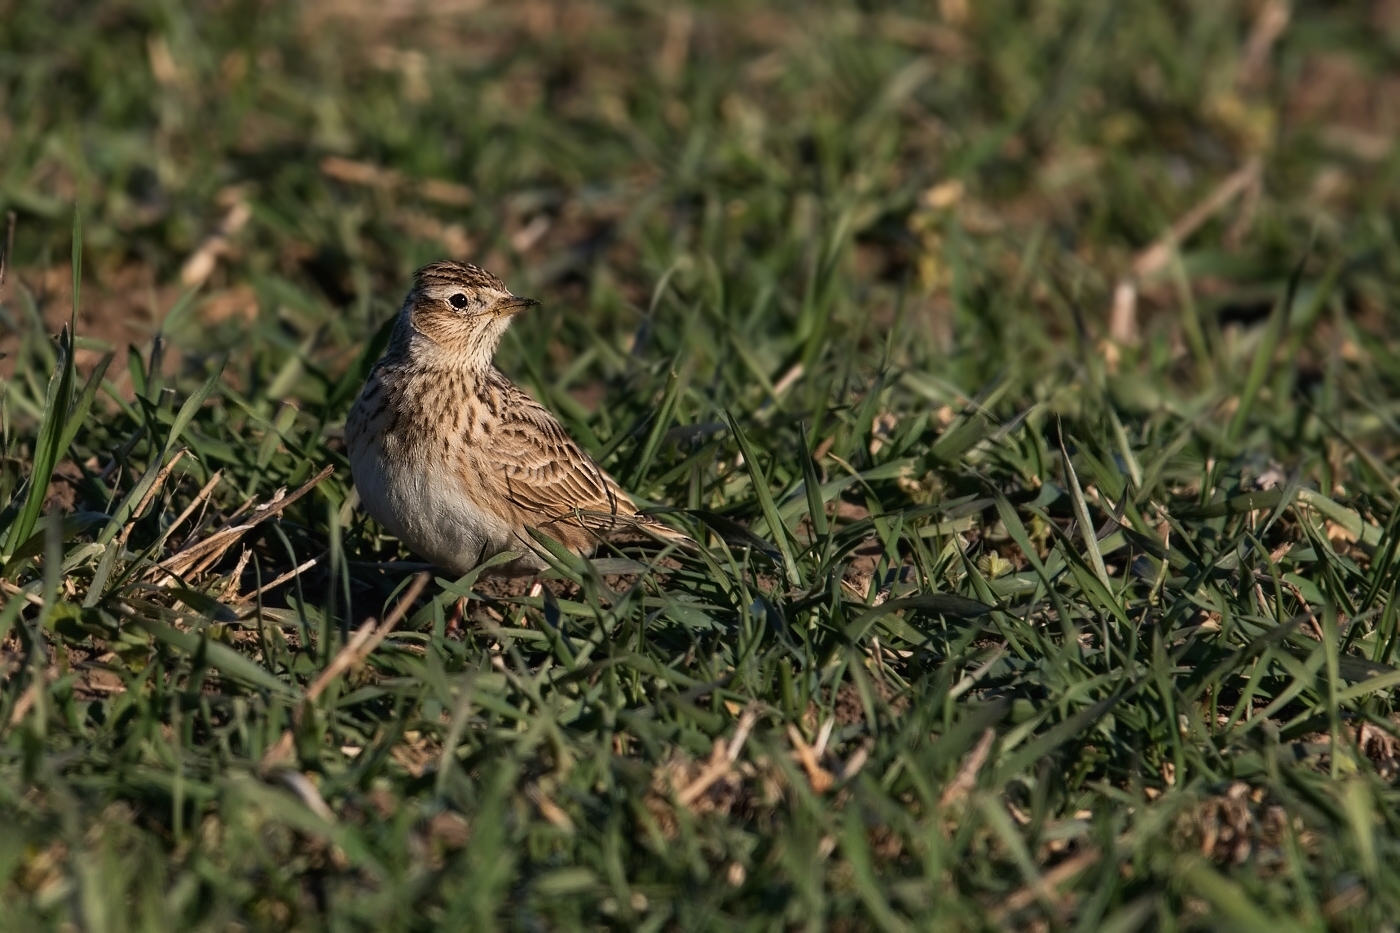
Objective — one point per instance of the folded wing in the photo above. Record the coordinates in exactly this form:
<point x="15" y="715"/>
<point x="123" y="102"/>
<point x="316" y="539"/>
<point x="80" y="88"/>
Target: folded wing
<point x="549" y="481"/>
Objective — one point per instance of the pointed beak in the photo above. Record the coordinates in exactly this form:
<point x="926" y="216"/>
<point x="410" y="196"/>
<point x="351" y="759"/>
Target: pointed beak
<point x="514" y="305"/>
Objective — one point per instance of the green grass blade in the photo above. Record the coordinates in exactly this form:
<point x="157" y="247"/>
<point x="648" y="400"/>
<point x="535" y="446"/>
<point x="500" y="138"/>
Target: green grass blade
<point x="775" y="526"/>
<point x="57" y="416"/>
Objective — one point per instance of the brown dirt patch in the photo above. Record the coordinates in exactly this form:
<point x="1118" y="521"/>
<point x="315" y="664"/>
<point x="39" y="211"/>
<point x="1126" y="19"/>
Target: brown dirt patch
<point x="118" y="308"/>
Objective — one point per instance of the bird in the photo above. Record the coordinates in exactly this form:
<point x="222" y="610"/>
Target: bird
<point x="458" y="462"/>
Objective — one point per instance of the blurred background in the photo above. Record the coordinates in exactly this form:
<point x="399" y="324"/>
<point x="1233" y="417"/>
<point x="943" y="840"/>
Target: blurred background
<point x="943" y="171"/>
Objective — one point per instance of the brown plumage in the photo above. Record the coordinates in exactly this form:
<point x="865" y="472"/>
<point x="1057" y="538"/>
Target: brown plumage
<point x="453" y="458"/>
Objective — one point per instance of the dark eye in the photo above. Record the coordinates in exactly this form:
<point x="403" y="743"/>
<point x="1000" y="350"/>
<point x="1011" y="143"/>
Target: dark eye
<point x="458" y="301"/>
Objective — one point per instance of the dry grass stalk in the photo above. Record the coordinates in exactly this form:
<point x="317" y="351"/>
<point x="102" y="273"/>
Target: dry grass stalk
<point x="1270" y="23"/>
<point x="366" y="638"/>
<point x="854" y="764"/>
<point x="1123" y="316"/>
<point x="1122" y="320"/>
<point x="1156" y="257"/>
<point x="301" y="786"/>
<point x="550" y="810"/>
<point x="202" y="262"/>
<point x="1307" y="610"/>
<point x="282" y="578"/>
<point x="966" y="778"/>
<point x="203" y="554"/>
<point x="820" y="778"/>
<point x="722" y="759"/>
<point x="200" y="498"/>
<point x="161" y="477"/>
<point x="823" y="736"/>
<point x="1044" y="887"/>
<point x="279" y="754"/>
<point x="24" y="704"/>
<point x="7" y="587"/>
<point x="436" y="190"/>
<point x="231" y="588"/>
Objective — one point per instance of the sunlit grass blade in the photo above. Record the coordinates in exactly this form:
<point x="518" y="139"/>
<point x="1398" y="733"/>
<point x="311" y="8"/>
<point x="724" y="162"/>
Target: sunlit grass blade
<point x="1082" y="519"/>
<point x="1264" y="355"/>
<point x="57" y="416"/>
<point x="182" y="420"/>
<point x="776" y="529"/>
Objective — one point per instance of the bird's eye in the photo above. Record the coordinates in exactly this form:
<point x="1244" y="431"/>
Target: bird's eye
<point x="458" y="301"/>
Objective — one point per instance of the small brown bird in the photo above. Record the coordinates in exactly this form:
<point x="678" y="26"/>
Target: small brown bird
<point x="455" y="460"/>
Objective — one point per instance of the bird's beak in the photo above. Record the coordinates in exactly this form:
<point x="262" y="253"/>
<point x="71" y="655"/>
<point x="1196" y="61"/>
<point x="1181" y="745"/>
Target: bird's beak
<point x="514" y="305"/>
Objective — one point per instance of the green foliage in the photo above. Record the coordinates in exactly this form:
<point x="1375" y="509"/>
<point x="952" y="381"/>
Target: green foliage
<point x="1008" y="618"/>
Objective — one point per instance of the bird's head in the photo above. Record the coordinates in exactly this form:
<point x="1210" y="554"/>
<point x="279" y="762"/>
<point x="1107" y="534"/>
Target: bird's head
<point x="458" y="312"/>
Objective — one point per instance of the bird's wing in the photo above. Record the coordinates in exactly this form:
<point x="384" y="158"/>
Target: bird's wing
<point x="530" y="461"/>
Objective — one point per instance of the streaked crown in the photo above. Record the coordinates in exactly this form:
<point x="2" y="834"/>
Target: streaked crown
<point x="449" y="272"/>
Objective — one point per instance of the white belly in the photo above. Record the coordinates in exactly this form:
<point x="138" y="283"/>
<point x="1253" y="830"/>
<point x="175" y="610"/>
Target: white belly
<point x="423" y="505"/>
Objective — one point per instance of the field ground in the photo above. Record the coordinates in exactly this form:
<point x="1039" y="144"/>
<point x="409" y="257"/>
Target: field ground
<point x="1031" y="370"/>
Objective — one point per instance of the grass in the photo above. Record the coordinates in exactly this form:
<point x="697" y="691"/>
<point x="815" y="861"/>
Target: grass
<point x="1053" y="539"/>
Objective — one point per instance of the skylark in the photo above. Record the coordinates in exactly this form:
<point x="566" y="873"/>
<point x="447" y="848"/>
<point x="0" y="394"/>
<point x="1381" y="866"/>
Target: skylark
<point x="455" y="460"/>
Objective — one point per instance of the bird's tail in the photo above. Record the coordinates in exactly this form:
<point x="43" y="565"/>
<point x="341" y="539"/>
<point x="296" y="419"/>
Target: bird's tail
<point x="615" y="525"/>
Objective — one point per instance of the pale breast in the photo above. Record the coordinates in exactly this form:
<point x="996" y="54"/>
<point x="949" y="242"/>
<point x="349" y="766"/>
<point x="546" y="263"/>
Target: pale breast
<point x="408" y="470"/>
